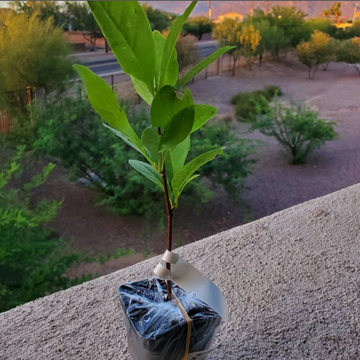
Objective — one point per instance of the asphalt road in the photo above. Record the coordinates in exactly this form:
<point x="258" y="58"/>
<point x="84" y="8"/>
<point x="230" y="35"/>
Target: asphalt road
<point x="101" y="65"/>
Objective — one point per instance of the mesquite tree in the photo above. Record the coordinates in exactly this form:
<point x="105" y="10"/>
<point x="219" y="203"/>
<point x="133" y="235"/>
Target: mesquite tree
<point x="150" y="60"/>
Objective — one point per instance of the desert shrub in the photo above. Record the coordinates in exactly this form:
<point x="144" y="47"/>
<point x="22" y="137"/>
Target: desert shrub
<point x="319" y="51"/>
<point x="245" y="103"/>
<point x="297" y="128"/>
<point x="32" y="262"/>
<point x="70" y="131"/>
<point x="348" y="51"/>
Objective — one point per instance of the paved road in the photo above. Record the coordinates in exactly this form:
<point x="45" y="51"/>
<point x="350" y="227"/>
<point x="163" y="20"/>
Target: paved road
<point x="106" y="63"/>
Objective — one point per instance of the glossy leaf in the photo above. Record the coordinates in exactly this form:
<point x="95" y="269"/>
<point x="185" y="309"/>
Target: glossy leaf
<point x="127" y="29"/>
<point x="202" y="65"/>
<point x="150" y="138"/>
<point x="179" y="154"/>
<point x="203" y="113"/>
<point x="143" y="90"/>
<point x="148" y="171"/>
<point x="171" y="40"/>
<point x="178" y="129"/>
<point x="180" y="179"/>
<point x="105" y="103"/>
<point x="172" y="72"/>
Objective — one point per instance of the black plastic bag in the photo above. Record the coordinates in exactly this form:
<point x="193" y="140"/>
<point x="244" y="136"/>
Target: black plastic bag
<point x="157" y="329"/>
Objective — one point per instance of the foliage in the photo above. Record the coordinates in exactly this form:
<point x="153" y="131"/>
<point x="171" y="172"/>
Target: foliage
<point x="228" y="34"/>
<point x="272" y="39"/>
<point x="159" y="20"/>
<point x="245" y="103"/>
<point x="81" y="19"/>
<point x="348" y="52"/>
<point x="334" y="10"/>
<point x="320" y="50"/>
<point x="186" y="51"/>
<point x="32" y="263"/>
<point x="249" y="40"/>
<point x="44" y="9"/>
<point x="71" y="132"/>
<point x="198" y="26"/>
<point x="40" y="57"/>
<point x="297" y="128"/>
<point x="321" y="24"/>
<point x="232" y="169"/>
<point x="349" y="33"/>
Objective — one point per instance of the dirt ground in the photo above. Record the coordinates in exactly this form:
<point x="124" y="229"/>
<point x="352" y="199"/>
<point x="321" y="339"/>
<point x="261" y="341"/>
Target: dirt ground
<point x="273" y="186"/>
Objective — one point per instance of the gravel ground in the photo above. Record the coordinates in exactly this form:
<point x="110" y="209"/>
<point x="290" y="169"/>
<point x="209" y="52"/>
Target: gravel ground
<point x="335" y="94"/>
<point x="291" y="281"/>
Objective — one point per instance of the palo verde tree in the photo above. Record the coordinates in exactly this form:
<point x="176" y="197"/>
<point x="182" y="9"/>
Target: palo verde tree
<point x="250" y="40"/>
<point x="198" y="26"/>
<point x="228" y="34"/>
<point x="348" y="51"/>
<point x="152" y="65"/>
<point x="33" y="53"/>
<point x="159" y="20"/>
<point x="334" y="11"/>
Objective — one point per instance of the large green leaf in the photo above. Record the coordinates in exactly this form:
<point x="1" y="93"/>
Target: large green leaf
<point x="171" y="40"/>
<point x="180" y="179"/>
<point x="202" y="65"/>
<point x="143" y="90"/>
<point x="148" y="171"/>
<point x="172" y="72"/>
<point x="104" y="101"/>
<point x="127" y="29"/>
<point x="179" y="154"/>
<point x="150" y="138"/>
<point x="178" y="129"/>
<point x="167" y="103"/>
<point x="203" y="113"/>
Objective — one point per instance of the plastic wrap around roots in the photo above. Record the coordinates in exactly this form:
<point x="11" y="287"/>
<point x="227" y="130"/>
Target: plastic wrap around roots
<point x="157" y="329"/>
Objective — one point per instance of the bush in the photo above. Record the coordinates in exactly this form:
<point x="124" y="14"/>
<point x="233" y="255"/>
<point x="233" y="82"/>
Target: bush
<point x="70" y="131"/>
<point x="297" y="128"/>
<point x="32" y="263"/>
<point x="348" y="52"/>
<point x="245" y="103"/>
<point x="186" y="51"/>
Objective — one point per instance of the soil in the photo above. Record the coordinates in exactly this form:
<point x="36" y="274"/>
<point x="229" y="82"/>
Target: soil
<point x="273" y="186"/>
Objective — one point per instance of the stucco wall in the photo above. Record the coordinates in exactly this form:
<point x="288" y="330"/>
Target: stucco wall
<point x="291" y="281"/>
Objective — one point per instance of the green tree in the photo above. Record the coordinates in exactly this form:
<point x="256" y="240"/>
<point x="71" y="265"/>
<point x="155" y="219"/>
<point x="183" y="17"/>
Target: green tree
<point x="249" y="40"/>
<point x="320" y="50"/>
<point x="159" y="20"/>
<point x="81" y="19"/>
<point x="335" y="11"/>
<point x="348" y="52"/>
<point x="44" y="9"/>
<point x="228" y="34"/>
<point x="321" y="24"/>
<point x="297" y="128"/>
<point x="32" y="263"/>
<point x="198" y="26"/>
<point x="40" y="56"/>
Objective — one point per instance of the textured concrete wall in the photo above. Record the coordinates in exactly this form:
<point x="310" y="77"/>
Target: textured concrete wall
<point x="291" y="281"/>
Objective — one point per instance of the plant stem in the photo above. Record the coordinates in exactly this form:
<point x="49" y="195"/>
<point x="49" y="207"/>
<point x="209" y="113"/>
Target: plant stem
<point x="169" y="213"/>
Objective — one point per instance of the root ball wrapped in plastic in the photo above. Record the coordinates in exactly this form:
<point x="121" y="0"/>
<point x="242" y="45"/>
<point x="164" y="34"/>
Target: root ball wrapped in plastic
<point x="180" y="329"/>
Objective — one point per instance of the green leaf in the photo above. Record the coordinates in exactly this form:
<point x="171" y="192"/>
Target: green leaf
<point x="167" y="104"/>
<point x="143" y="90"/>
<point x="105" y="103"/>
<point x="181" y="178"/>
<point x="178" y="129"/>
<point x="127" y="29"/>
<point x="150" y="138"/>
<point x="171" y="40"/>
<point x="172" y="73"/>
<point x="187" y="182"/>
<point x="179" y="154"/>
<point x="203" y="113"/>
<point x="202" y="65"/>
<point x="148" y="171"/>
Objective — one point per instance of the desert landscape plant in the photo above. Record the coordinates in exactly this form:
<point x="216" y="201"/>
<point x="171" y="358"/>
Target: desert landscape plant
<point x="297" y="128"/>
<point x="348" y="51"/>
